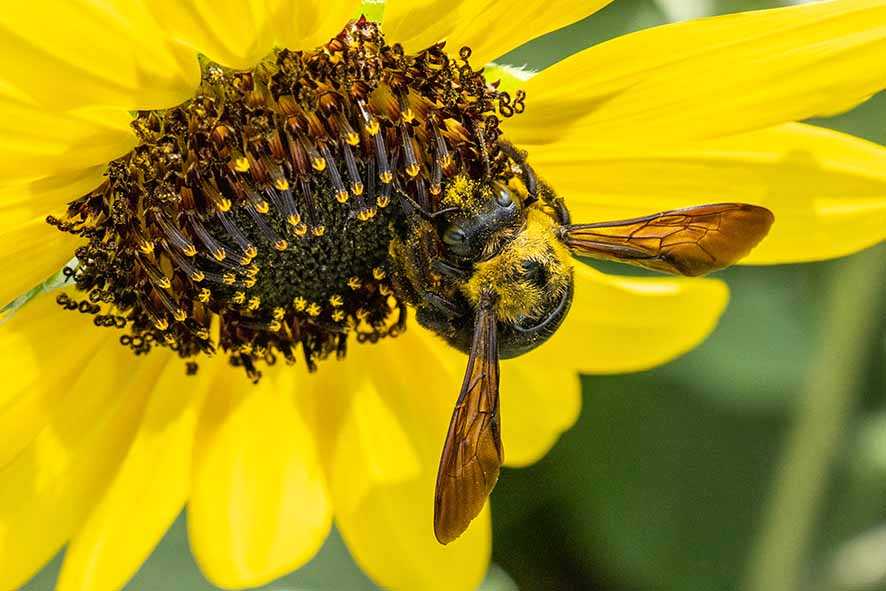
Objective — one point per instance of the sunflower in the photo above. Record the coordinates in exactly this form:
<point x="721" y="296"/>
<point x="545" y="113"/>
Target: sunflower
<point x="101" y="450"/>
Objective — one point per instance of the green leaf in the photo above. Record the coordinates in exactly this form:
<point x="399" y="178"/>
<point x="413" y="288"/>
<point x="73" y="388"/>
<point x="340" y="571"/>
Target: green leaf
<point x="497" y="580"/>
<point x="373" y="9"/>
<point x="656" y="487"/>
<point x="678" y="10"/>
<point x="760" y="352"/>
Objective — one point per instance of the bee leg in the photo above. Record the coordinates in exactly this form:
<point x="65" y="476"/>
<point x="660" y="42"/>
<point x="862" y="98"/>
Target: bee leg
<point x="531" y="181"/>
<point x="402" y="311"/>
<point x="450" y="271"/>
<point x="451" y="324"/>
<point x="441" y="305"/>
<point x="562" y="213"/>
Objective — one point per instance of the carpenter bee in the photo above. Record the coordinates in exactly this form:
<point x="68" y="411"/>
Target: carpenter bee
<point x="491" y="273"/>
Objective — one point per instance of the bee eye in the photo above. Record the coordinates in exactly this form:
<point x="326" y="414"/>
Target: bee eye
<point x="535" y="273"/>
<point x="503" y="197"/>
<point x="454" y="236"/>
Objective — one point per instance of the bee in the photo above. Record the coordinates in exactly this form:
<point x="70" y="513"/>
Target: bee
<point x="491" y="273"/>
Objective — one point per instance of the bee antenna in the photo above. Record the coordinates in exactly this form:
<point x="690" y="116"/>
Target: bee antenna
<point x="409" y="205"/>
<point x="529" y="176"/>
<point x="480" y="129"/>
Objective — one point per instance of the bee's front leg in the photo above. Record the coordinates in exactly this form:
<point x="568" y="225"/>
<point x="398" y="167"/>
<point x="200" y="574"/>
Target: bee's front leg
<point x="440" y="304"/>
<point x="450" y="319"/>
<point x="451" y="271"/>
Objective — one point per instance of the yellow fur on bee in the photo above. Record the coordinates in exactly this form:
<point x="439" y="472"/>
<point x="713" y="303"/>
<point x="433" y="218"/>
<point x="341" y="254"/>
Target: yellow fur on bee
<point x="465" y="193"/>
<point x="504" y="274"/>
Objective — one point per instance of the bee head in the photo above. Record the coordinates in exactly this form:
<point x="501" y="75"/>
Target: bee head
<point x="531" y="282"/>
<point x="510" y="248"/>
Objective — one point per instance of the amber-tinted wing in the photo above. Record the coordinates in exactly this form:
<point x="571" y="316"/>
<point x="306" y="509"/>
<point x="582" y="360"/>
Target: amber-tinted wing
<point x="691" y="241"/>
<point x="472" y="454"/>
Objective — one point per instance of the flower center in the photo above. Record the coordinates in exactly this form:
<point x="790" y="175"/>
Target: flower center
<point x="257" y="217"/>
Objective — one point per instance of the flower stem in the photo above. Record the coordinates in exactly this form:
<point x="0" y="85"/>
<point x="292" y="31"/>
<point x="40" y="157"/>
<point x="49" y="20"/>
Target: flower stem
<point x="851" y="316"/>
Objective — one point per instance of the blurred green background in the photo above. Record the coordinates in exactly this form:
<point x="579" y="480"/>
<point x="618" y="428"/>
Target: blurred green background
<point x="756" y="462"/>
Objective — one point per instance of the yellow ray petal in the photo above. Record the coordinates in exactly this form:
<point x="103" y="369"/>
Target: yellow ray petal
<point x="235" y="33"/>
<point x="621" y="324"/>
<point x="304" y="25"/>
<point x="384" y="509"/>
<point x="36" y="143"/>
<point x="827" y="189"/>
<point x="490" y="28"/>
<point x="30" y="249"/>
<point x="383" y="448"/>
<point x="62" y="55"/>
<point x="149" y="489"/>
<point x="38" y="361"/>
<point x="711" y="77"/>
<point x="258" y="507"/>
<point x="48" y="488"/>
<point x="540" y="399"/>
<point x="22" y="200"/>
<point x="30" y="254"/>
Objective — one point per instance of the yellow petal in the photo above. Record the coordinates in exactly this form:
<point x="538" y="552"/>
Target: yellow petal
<point x="147" y="492"/>
<point x="25" y="199"/>
<point x="490" y="28"/>
<point x="38" y="360"/>
<point x="384" y="509"/>
<point x="235" y="33"/>
<point x="711" y="77"/>
<point x="540" y="399"/>
<point x="827" y="189"/>
<point x="30" y="254"/>
<point x="30" y="249"/>
<point x="307" y="24"/>
<point x="35" y="143"/>
<point x="258" y="507"/>
<point x="620" y="324"/>
<point x="65" y="55"/>
<point x="49" y="486"/>
<point x="386" y="460"/>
